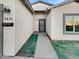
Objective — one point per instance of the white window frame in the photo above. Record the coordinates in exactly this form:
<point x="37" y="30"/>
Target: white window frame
<point x="64" y="26"/>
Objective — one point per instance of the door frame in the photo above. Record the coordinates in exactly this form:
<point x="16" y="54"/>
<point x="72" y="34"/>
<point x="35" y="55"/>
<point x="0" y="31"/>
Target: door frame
<point x="2" y="27"/>
<point x="44" y="25"/>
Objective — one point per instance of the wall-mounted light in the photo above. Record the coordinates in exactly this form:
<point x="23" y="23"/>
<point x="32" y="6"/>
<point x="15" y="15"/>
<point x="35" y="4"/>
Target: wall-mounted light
<point x="7" y="9"/>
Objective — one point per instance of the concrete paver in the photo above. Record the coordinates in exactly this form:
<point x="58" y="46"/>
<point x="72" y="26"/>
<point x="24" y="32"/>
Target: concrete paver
<point x="5" y="57"/>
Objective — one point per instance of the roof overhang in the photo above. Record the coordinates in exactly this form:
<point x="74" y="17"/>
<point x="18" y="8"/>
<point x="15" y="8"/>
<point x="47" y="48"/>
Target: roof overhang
<point x="42" y="2"/>
<point x="40" y="12"/>
<point x="61" y="4"/>
<point x="27" y="4"/>
<point x="77" y="0"/>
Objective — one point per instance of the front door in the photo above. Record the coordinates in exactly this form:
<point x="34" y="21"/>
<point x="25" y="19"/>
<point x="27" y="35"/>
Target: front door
<point x="1" y="30"/>
<point x="42" y="25"/>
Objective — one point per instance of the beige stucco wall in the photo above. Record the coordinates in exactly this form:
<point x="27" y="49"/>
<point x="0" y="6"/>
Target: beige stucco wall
<point x="36" y="20"/>
<point x="40" y="6"/>
<point x="24" y="25"/>
<point x="57" y="21"/>
<point x="14" y="37"/>
<point x="48" y="24"/>
<point x="9" y="32"/>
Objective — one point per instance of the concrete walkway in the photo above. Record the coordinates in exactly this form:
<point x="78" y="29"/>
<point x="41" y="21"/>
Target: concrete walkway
<point x="44" y="48"/>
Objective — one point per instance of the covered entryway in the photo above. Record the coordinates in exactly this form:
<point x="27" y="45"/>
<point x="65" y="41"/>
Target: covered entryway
<point x="1" y="29"/>
<point x="42" y="25"/>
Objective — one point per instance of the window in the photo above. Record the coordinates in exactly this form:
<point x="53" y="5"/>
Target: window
<point x="71" y="23"/>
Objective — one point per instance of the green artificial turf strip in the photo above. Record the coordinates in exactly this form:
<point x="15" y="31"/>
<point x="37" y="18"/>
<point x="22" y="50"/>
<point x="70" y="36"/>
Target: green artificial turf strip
<point x="66" y="49"/>
<point x="28" y="49"/>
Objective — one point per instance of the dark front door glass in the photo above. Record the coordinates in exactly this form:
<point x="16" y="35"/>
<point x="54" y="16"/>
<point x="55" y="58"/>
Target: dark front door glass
<point x="42" y="25"/>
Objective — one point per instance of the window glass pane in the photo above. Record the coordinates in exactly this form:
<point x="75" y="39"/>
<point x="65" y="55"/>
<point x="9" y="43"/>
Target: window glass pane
<point x="76" y="21"/>
<point x="69" y="22"/>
